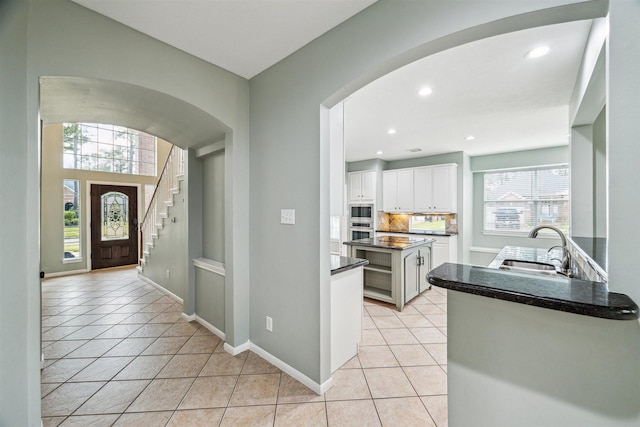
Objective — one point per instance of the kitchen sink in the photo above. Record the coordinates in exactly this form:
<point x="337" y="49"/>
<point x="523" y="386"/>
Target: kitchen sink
<point x="528" y="267"/>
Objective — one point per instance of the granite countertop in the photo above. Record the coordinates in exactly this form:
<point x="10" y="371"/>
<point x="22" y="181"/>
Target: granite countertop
<point x="391" y="242"/>
<point x="340" y="264"/>
<point x="552" y="292"/>
<point x="420" y="233"/>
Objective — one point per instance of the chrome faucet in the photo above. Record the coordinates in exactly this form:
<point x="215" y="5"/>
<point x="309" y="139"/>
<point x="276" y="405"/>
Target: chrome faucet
<point x="566" y="259"/>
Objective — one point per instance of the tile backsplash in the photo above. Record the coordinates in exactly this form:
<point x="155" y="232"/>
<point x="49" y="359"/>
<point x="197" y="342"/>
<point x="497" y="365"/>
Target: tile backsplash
<point x="583" y="267"/>
<point x="401" y="222"/>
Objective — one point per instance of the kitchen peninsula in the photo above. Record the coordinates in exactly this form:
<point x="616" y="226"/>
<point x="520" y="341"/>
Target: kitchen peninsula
<point x="397" y="268"/>
<point x="537" y="348"/>
<point x="346" y="308"/>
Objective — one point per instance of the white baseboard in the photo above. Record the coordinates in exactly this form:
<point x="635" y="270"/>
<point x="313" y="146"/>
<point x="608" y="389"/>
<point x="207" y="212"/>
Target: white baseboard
<point x="236" y="350"/>
<point x="319" y="389"/>
<point x="161" y="289"/>
<point x="209" y="326"/>
<point x="66" y="273"/>
<point x="189" y="317"/>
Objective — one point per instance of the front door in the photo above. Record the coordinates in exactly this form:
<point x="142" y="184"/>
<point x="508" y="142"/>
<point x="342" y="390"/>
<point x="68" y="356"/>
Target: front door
<point x="114" y="225"/>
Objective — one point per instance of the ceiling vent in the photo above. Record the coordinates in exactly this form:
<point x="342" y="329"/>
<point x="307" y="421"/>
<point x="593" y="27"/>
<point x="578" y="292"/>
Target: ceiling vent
<point x="414" y="150"/>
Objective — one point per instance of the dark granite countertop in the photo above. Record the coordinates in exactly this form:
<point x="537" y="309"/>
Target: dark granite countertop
<point x="420" y="233"/>
<point x="391" y="242"/>
<point x="552" y="292"/>
<point x="340" y="264"/>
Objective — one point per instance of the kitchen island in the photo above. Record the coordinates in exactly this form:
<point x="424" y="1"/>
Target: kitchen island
<point x="397" y="268"/>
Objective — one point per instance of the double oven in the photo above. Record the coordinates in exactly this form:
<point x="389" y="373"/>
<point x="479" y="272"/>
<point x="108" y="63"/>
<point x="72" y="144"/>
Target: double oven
<point x="361" y="221"/>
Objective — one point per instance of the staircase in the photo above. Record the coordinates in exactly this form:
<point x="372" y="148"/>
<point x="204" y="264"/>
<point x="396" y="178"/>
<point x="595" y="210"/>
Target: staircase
<point x="158" y="210"/>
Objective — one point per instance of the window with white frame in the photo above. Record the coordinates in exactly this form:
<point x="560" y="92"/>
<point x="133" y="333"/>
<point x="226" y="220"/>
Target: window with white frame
<point x="71" y="202"/>
<point x="519" y="200"/>
<point x="108" y="148"/>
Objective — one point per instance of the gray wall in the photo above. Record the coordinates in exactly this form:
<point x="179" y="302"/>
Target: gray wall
<point x="210" y="298"/>
<point x="58" y="37"/>
<point x="623" y="151"/>
<point x="543" y="367"/>
<point x="600" y="175"/>
<point x="213" y="206"/>
<point x="19" y="287"/>
<point x="289" y="164"/>
<point x="168" y="250"/>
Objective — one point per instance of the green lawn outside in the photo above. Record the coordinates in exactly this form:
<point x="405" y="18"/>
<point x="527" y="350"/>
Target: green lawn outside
<point x="71" y="231"/>
<point x="72" y="247"/>
<point x="430" y="225"/>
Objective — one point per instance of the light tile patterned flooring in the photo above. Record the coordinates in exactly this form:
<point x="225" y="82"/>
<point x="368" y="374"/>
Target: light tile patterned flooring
<point x="118" y="352"/>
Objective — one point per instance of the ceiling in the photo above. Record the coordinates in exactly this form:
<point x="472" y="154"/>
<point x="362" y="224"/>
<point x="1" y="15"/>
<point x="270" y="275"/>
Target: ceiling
<point x="78" y="99"/>
<point x="486" y="89"/>
<point x="242" y="36"/>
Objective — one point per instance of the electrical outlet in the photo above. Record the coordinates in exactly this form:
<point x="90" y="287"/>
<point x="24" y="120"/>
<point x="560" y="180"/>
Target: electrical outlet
<point x="287" y="216"/>
<point x="168" y="273"/>
<point x="269" y="324"/>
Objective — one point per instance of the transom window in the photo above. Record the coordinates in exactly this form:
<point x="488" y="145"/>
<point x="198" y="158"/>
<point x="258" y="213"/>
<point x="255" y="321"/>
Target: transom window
<point x="519" y="200"/>
<point x="108" y="148"/>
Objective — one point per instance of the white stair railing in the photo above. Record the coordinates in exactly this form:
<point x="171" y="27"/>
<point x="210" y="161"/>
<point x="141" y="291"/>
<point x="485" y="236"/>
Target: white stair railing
<point x="158" y="210"/>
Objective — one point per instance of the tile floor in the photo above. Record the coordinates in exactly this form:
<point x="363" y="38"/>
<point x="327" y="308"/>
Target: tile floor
<point x="118" y="352"/>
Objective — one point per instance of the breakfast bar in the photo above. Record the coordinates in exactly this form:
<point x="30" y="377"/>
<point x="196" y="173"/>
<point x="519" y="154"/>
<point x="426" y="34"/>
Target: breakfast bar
<point x="532" y="347"/>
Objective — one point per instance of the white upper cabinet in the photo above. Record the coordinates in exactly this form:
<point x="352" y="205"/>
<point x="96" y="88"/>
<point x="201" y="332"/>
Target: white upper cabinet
<point x="362" y="187"/>
<point x="397" y="190"/>
<point x="435" y="189"/>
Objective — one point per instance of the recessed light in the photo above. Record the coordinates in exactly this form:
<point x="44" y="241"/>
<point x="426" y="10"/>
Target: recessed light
<point x="425" y="91"/>
<point x="470" y="138"/>
<point x="378" y="152"/>
<point x="537" y="52"/>
<point x="391" y="131"/>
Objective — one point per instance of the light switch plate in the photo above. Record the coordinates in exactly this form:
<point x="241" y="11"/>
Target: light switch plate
<point x="287" y="216"/>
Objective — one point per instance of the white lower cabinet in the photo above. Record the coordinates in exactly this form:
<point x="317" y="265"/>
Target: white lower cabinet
<point x="346" y="316"/>
<point x="445" y="249"/>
